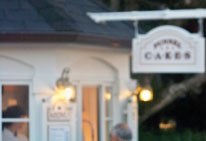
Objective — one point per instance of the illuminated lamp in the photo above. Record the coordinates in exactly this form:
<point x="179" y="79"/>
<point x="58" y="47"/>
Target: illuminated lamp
<point x="64" y="87"/>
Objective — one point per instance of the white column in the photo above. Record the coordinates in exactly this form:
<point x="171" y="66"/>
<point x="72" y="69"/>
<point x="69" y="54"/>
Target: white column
<point x="132" y="118"/>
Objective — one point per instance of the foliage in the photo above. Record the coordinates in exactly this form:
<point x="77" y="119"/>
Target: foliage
<point x="183" y="135"/>
<point x="160" y="82"/>
<point x="125" y="5"/>
<point x="128" y="5"/>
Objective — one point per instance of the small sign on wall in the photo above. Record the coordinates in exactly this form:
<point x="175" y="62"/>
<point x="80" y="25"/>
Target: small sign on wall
<point x="59" y="112"/>
<point x="59" y="133"/>
<point x="168" y="49"/>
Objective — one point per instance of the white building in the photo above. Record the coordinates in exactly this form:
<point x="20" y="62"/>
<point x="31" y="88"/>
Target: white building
<point x="38" y="39"/>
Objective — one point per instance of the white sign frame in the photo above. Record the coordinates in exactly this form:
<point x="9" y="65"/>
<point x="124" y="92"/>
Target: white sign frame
<point x="180" y="42"/>
<point x="46" y="123"/>
<point x="59" y="112"/>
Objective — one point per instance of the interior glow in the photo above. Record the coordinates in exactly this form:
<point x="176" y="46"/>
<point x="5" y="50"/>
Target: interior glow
<point x="108" y="96"/>
<point x="12" y="102"/>
<point x="171" y="124"/>
<point x="146" y="95"/>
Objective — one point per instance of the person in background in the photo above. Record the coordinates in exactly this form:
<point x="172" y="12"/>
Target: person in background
<point x="121" y="132"/>
<point x="10" y="130"/>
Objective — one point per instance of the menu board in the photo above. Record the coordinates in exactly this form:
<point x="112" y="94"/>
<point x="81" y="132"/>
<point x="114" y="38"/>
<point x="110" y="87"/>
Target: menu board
<point x="59" y="133"/>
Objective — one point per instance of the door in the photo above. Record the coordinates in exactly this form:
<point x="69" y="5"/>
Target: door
<point x="90" y="120"/>
<point x="97" y="112"/>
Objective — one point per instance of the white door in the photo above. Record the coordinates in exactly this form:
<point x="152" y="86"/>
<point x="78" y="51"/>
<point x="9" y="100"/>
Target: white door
<point x="97" y="111"/>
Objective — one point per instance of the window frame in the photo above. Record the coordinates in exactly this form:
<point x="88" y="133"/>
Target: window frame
<point x="109" y="118"/>
<point x="24" y="120"/>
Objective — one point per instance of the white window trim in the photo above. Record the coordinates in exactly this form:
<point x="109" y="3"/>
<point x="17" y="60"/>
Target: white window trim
<point x="103" y="117"/>
<point x="6" y="120"/>
<point x="28" y="120"/>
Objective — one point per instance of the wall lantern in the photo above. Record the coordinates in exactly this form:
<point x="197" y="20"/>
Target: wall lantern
<point x="64" y="87"/>
<point x="144" y="93"/>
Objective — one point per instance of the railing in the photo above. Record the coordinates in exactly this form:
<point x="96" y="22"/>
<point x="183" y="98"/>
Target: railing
<point x="91" y="126"/>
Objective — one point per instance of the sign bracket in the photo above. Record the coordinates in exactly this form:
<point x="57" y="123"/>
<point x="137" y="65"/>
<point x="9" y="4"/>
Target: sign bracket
<point x="136" y="29"/>
<point x="201" y="27"/>
<point x="136" y="16"/>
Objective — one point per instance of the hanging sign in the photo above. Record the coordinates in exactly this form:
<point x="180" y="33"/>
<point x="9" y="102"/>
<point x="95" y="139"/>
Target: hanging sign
<point x="168" y="49"/>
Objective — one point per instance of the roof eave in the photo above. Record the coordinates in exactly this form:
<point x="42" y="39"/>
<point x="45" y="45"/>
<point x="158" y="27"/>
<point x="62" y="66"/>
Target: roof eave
<point x="65" y="38"/>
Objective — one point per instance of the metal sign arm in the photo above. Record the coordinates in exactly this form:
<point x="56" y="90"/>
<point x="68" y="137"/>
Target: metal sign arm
<point x="136" y="16"/>
<point x="148" y="15"/>
<point x="201" y="27"/>
<point x="136" y="29"/>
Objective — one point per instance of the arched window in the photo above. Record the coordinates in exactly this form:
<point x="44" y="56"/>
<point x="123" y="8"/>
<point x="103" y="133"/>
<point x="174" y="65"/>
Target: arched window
<point x="15" y="99"/>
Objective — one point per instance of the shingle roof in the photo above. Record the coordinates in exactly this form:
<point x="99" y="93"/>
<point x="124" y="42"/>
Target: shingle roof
<point x="20" y="16"/>
<point x="58" y="16"/>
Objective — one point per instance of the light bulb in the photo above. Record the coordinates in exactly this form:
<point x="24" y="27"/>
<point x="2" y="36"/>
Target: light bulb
<point x="146" y="95"/>
<point x="68" y="93"/>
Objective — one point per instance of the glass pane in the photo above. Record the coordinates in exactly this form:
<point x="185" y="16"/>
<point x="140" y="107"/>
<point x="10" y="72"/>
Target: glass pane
<point x="16" y="131"/>
<point x="108" y="102"/>
<point x="108" y="128"/>
<point x="15" y="101"/>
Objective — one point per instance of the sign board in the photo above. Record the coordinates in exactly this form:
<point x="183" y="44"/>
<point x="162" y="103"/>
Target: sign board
<point x="59" y="112"/>
<point x="59" y="133"/>
<point x="168" y="49"/>
<point x="59" y="120"/>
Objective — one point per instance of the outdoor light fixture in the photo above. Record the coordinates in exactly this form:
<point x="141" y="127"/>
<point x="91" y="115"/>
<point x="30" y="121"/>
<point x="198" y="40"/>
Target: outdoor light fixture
<point x="64" y="87"/>
<point x="144" y="93"/>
